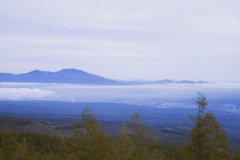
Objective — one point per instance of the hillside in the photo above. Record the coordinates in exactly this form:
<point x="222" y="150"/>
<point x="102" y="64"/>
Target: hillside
<point x="113" y="128"/>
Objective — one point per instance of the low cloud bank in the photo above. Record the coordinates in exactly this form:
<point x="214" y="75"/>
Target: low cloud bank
<point x="25" y="94"/>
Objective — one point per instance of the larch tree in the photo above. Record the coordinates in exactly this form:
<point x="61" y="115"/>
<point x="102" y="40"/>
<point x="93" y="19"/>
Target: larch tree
<point x="207" y="141"/>
<point x="136" y="143"/>
<point x="90" y="139"/>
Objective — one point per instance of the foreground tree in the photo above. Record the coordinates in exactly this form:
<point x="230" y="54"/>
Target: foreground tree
<point x="136" y="143"/>
<point x="236" y="155"/>
<point x="90" y="141"/>
<point x="207" y="141"/>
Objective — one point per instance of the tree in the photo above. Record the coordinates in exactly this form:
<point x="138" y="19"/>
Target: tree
<point x="90" y="141"/>
<point x="137" y="145"/>
<point x="206" y="140"/>
<point x="10" y="147"/>
<point x="236" y="155"/>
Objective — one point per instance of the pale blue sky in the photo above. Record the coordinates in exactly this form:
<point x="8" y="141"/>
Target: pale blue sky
<point x="154" y="40"/>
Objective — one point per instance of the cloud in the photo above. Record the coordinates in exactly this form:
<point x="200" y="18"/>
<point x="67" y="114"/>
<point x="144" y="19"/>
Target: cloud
<point x="123" y="39"/>
<point x="153" y="15"/>
<point x="11" y="84"/>
<point x="25" y="94"/>
<point x="176" y="105"/>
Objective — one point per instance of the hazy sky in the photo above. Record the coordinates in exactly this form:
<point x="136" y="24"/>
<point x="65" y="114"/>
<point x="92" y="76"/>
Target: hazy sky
<point x="122" y="39"/>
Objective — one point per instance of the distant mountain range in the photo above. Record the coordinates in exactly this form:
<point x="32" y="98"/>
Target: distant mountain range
<point x="75" y="77"/>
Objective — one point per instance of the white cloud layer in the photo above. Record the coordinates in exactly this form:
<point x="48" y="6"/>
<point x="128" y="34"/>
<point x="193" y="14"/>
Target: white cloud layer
<point x="162" y="95"/>
<point x="25" y="94"/>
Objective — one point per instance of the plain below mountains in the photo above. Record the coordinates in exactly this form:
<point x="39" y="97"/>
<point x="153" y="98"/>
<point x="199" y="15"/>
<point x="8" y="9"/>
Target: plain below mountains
<point x="73" y="76"/>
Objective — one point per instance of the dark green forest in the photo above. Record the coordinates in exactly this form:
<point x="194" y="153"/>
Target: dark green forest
<point x="88" y="138"/>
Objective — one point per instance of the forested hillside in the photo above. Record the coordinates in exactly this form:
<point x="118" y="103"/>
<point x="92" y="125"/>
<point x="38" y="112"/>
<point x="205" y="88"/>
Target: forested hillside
<point x="88" y="138"/>
<point x="90" y="141"/>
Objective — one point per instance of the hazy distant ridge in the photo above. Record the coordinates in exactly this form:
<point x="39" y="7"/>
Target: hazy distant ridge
<point x="73" y="76"/>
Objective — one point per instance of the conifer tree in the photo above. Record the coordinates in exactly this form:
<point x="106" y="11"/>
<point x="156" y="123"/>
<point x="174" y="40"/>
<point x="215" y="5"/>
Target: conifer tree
<point x="10" y="147"/>
<point x="138" y="144"/>
<point x="207" y="141"/>
<point x="90" y="140"/>
<point x="236" y="155"/>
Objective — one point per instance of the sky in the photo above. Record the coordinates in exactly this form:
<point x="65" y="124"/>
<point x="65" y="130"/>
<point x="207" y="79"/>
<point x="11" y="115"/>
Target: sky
<point x="123" y="40"/>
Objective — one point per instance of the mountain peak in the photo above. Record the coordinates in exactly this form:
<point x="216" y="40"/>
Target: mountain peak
<point x="38" y="72"/>
<point x="35" y="72"/>
<point x="69" y="69"/>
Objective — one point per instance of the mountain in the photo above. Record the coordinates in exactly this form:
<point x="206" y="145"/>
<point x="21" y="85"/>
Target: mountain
<point x="186" y="81"/>
<point x="63" y="76"/>
<point x="76" y="77"/>
<point x="164" y="81"/>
